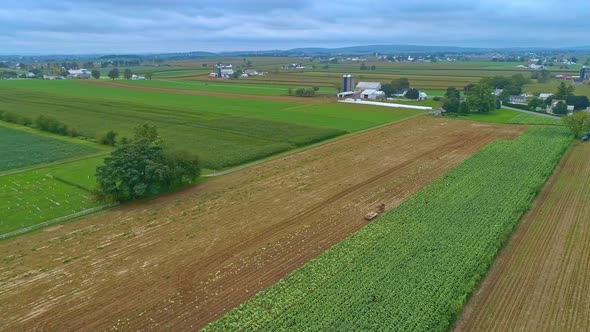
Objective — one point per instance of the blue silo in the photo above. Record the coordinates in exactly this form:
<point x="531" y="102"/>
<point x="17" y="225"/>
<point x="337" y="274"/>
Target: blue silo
<point x="344" y="83"/>
<point x="218" y="71"/>
<point x="583" y="73"/>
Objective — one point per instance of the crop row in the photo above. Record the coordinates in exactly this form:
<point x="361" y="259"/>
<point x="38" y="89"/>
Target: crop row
<point x="21" y="149"/>
<point x="414" y="268"/>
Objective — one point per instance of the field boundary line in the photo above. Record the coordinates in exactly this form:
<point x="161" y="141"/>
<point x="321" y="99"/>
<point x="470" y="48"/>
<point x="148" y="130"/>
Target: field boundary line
<point x="307" y="147"/>
<point x="55" y="163"/>
<point x="57" y="220"/>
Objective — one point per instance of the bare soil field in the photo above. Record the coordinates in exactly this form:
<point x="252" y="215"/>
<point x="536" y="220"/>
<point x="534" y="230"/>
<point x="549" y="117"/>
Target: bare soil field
<point x="184" y="259"/>
<point x="541" y="280"/>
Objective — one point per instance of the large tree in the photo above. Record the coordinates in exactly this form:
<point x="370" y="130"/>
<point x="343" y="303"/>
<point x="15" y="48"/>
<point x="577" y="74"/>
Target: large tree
<point x="114" y="73"/>
<point x="453" y="94"/>
<point x="401" y="84"/>
<point x="412" y="94"/>
<point x="144" y="168"/>
<point x="578" y="123"/>
<point x="128" y="73"/>
<point x="564" y="91"/>
<point x="95" y="73"/>
<point x="481" y="99"/>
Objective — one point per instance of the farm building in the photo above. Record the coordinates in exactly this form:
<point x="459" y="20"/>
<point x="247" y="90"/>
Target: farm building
<point x="517" y="99"/>
<point x="79" y="73"/>
<point x="544" y="96"/>
<point x="361" y="86"/>
<point x="345" y="94"/>
<point x="372" y="94"/>
<point x="422" y="96"/>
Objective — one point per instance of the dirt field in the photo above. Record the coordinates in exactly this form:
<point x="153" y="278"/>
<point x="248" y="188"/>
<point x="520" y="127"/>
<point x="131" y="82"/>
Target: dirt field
<point x="182" y="260"/>
<point x="541" y="280"/>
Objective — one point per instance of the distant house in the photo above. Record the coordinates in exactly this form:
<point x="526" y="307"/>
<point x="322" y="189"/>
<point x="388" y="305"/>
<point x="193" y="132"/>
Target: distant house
<point x="570" y="108"/>
<point x="30" y="75"/>
<point x="517" y="99"/>
<point x="79" y="73"/>
<point x="536" y="67"/>
<point x="498" y="92"/>
<point x="137" y="77"/>
<point x="251" y="72"/>
<point x="422" y="96"/>
<point x="544" y="96"/>
<point x="528" y="95"/>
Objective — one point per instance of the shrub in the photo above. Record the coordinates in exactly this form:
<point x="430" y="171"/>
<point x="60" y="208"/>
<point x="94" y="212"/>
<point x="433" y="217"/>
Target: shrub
<point x="109" y="138"/>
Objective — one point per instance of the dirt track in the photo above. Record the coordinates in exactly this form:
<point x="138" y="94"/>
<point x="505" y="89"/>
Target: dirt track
<point x="183" y="260"/>
<point x="541" y="280"/>
<point x="204" y="93"/>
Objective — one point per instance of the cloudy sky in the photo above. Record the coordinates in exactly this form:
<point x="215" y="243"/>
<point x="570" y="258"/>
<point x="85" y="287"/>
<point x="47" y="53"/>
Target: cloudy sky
<point x="104" y="26"/>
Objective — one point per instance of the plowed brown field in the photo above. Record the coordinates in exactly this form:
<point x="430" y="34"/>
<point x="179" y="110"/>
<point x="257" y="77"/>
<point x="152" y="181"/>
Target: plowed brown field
<point x="541" y="280"/>
<point x="182" y="260"/>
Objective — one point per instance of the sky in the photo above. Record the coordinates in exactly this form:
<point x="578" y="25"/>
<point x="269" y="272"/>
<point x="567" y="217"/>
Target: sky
<point x="142" y="26"/>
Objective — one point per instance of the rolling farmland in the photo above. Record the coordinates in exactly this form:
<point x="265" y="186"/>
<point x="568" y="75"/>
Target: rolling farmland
<point x="540" y="280"/>
<point x="205" y="250"/>
<point x="244" y="129"/>
<point x="414" y="268"/>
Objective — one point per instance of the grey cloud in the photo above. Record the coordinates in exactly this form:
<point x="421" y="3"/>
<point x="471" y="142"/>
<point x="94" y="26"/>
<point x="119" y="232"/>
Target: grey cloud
<point x="85" y="26"/>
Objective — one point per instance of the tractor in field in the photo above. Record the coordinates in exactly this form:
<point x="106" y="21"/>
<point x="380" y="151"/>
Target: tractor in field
<point x="374" y="214"/>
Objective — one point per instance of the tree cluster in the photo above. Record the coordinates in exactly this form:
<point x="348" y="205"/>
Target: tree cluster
<point x="396" y="86"/>
<point x="143" y="167"/>
<point x="303" y="92"/>
<point x="578" y="123"/>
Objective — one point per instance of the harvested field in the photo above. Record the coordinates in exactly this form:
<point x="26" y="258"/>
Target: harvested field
<point x="540" y="282"/>
<point x="180" y="261"/>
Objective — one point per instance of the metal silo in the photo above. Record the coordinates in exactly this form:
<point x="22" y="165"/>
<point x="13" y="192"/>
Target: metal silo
<point x="583" y="73"/>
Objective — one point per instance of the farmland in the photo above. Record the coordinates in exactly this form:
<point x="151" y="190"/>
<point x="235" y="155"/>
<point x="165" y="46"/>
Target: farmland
<point x="207" y="249"/>
<point x="21" y="149"/>
<point x="39" y="195"/>
<point x="540" y="280"/>
<point x="414" y="268"/>
<point x="244" y="129"/>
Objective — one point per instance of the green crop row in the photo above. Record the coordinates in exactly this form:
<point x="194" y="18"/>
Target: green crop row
<point x="21" y="149"/>
<point x="414" y="268"/>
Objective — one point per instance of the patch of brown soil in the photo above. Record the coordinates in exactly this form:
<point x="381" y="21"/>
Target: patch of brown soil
<point x="180" y="261"/>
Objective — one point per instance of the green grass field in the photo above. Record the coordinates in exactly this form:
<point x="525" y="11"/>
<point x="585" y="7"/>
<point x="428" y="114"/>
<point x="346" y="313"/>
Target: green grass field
<point x="223" y="132"/>
<point x="22" y="149"/>
<point x="511" y="117"/>
<point x="414" y="268"/>
<point x="35" y="196"/>
<point x="238" y="87"/>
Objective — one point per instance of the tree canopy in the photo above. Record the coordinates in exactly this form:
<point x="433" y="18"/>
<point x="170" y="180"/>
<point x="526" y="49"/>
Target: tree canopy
<point x="578" y="123"/>
<point x="114" y="73"/>
<point x="481" y="98"/>
<point x="143" y="167"/>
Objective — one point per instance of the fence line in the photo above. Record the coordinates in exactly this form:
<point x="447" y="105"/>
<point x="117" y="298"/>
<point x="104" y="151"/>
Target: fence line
<point x="56" y="220"/>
